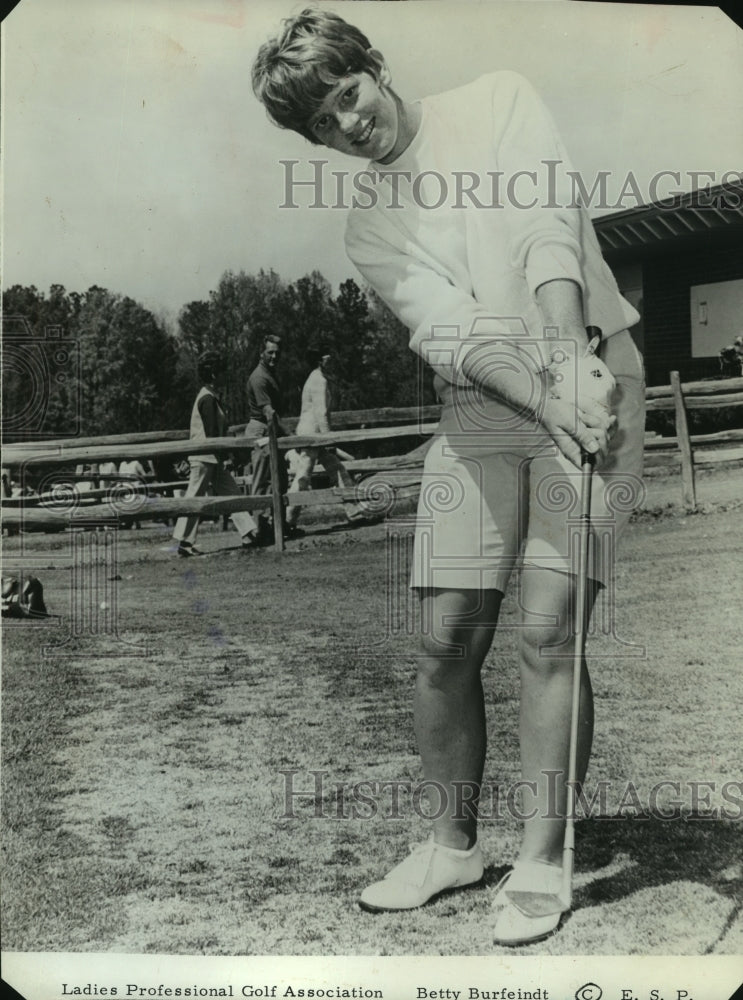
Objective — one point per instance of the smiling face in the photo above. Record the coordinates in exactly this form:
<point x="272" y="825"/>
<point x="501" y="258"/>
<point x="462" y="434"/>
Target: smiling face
<point x="270" y="354"/>
<point x="361" y="117"/>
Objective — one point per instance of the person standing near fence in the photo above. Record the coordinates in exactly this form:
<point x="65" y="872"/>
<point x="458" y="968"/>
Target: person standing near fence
<point x="485" y="295"/>
<point x="738" y="348"/>
<point x="208" y="420"/>
<point x="264" y="404"/>
<point x="314" y="418"/>
<point x="107" y="472"/>
<point x="731" y="361"/>
<point x="133" y="472"/>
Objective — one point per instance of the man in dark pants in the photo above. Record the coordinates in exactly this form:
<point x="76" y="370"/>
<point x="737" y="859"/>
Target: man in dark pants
<point x="264" y="403"/>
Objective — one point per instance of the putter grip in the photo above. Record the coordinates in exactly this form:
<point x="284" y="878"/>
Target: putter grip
<point x="595" y="338"/>
<point x="594" y="334"/>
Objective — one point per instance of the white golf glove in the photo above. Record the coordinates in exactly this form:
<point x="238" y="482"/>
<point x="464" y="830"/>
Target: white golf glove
<point x="581" y="380"/>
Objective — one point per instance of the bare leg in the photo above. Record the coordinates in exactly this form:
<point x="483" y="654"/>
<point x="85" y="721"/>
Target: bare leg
<point x="546" y="664"/>
<point x="458" y="627"/>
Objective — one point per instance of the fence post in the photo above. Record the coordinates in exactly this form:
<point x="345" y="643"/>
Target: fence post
<point x="688" y="488"/>
<point x="276" y="484"/>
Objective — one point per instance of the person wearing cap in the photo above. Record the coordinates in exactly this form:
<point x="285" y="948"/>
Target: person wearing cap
<point x="315" y="419"/>
<point x="208" y="420"/>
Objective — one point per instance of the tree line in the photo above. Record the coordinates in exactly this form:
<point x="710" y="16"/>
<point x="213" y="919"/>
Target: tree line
<point x="98" y="362"/>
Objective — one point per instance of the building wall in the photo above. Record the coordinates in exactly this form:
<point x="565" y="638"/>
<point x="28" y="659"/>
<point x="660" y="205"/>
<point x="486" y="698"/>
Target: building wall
<point x="667" y="282"/>
<point x="629" y="279"/>
<point x="716" y="316"/>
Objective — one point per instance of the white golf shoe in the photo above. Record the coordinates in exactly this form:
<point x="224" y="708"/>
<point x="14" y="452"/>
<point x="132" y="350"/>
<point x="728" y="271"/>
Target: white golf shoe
<point x="516" y="924"/>
<point x="428" y="871"/>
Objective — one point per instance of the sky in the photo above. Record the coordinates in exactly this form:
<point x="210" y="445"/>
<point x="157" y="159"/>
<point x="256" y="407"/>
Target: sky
<point x="137" y="158"/>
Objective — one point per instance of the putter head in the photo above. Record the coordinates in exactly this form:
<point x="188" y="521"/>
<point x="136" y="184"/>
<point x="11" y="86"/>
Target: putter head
<point x="537" y="904"/>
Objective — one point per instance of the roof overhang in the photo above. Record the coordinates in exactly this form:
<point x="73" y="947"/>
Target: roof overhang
<point x="702" y="213"/>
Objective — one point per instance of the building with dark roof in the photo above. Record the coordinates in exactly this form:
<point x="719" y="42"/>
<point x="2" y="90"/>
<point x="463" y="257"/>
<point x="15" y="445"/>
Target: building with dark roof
<point x="680" y="263"/>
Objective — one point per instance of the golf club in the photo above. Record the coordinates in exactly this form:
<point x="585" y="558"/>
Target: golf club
<point x="539" y="904"/>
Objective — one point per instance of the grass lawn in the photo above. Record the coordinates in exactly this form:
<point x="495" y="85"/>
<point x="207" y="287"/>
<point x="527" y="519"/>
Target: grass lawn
<point x="145" y="806"/>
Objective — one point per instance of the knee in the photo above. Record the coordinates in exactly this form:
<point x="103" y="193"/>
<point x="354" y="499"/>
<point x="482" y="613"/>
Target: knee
<point x="445" y="642"/>
<point x="449" y="656"/>
<point x="438" y="673"/>
<point x="545" y="648"/>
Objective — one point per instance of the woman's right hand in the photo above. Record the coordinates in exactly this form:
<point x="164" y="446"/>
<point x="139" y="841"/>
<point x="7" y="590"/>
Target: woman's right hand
<point x="575" y="430"/>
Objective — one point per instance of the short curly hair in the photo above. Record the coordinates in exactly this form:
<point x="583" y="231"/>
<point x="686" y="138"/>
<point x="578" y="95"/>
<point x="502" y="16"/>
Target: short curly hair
<point x="294" y="72"/>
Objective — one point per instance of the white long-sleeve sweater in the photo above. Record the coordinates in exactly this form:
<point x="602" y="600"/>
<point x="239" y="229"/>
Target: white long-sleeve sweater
<point x="316" y="403"/>
<point x="469" y="267"/>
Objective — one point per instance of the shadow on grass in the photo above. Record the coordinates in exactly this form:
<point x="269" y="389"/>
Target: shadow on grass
<point x="320" y="530"/>
<point x="620" y="856"/>
<point x="692" y="846"/>
<point x="310" y="533"/>
<point x="646" y="851"/>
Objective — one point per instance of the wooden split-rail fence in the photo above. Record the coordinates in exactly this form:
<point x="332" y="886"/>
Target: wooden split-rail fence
<point x="114" y="498"/>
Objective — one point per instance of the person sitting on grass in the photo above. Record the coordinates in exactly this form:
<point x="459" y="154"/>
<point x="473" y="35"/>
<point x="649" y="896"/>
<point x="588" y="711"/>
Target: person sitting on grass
<point x="497" y="303"/>
<point x="208" y="420"/>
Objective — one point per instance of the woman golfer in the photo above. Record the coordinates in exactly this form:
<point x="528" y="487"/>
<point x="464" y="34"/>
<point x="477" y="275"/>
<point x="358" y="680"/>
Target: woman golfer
<point x="466" y="224"/>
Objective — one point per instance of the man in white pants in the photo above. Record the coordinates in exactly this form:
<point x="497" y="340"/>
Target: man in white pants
<point x="315" y="419"/>
<point x="208" y="419"/>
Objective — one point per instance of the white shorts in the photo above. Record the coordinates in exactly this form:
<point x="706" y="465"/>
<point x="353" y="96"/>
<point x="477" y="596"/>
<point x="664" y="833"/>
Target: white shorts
<point x="487" y="501"/>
